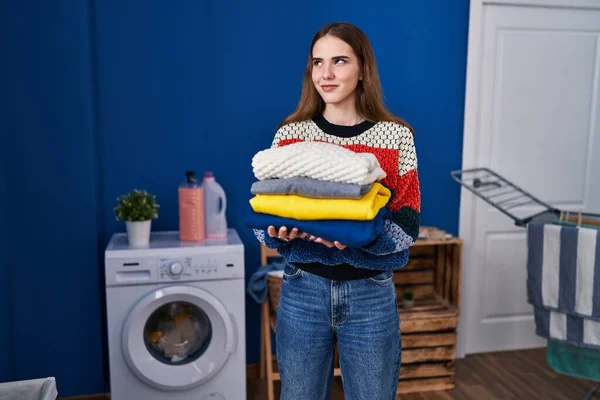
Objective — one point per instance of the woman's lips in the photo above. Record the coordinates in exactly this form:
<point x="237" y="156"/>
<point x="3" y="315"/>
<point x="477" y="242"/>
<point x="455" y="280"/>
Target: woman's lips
<point x="328" y="88"/>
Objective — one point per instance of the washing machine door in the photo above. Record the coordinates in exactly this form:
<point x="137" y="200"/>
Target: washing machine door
<point x="178" y="337"/>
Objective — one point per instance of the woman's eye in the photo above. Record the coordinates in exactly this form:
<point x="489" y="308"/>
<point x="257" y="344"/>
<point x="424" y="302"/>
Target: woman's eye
<point x="340" y="61"/>
<point x="317" y="63"/>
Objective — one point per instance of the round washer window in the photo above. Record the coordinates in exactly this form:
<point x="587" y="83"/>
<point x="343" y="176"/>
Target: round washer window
<point x="177" y="333"/>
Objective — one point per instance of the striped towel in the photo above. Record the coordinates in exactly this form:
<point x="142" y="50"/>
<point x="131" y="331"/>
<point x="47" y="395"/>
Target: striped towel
<point x="563" y="282"/>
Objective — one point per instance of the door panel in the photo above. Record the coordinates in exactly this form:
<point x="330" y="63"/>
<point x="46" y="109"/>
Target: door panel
<point x="537" y="125"/>
<point x="542" y="120"/>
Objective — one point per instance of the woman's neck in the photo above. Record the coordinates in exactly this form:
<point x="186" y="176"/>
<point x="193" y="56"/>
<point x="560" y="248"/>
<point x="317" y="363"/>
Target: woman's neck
<point x="343" y="113"/>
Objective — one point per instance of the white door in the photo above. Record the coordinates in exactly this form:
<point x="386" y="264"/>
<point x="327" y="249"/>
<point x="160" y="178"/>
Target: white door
<point x="532" y="114"/>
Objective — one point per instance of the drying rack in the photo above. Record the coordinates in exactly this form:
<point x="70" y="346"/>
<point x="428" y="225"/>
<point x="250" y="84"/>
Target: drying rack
<point x="507" y="197"/>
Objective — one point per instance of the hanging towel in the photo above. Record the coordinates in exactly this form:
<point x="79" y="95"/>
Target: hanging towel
<point x="574" y="361"/>
<point x="257" y="284"/>
<point x="317" y="160"/>
<point x="304" y="208"/>
<point x="349" y="232"/>
<point x="308" y="187"/>
<point x="563" y="282"/>
<point x="566" y="328"/>
<point x="564" y="269"/>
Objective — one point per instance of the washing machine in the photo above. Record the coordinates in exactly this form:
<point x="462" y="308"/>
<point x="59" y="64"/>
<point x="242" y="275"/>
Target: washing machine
<point x="176" y="318"/>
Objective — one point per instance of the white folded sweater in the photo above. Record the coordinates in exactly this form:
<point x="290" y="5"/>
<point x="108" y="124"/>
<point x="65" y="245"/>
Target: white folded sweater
<point x="317" y="160"/>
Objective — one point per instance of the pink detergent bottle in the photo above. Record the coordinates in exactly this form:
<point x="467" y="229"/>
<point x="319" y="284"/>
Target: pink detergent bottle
<point x="215" y="204"/>
<point x="191" y="209"/>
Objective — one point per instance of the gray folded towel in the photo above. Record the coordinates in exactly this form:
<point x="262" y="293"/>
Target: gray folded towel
<point x="309" y="187"/>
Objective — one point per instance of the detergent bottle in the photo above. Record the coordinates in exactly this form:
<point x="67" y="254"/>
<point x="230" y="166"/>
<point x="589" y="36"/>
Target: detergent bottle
<point x="191" y="209"/>
<point x="215" y="204"/>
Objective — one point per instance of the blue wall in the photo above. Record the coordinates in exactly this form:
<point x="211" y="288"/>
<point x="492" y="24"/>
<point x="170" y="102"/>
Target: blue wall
<point x="6" y="360"/>
<point x="6" y="346"/>
<point x="52" y="230"/>
<point x="114" y="95"/>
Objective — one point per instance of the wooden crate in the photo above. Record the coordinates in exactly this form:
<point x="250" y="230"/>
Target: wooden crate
<point x="429" y="328"/>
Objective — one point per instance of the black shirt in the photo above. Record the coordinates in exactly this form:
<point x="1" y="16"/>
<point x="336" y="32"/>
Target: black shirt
<point x="340" y="272"/>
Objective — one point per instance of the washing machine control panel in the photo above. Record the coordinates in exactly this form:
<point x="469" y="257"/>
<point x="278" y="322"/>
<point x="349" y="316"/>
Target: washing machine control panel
<point x="200" y="267"/>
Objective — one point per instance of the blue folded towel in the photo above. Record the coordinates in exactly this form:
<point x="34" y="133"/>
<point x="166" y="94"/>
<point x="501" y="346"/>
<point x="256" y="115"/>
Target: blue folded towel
<point x="257" y="285"/>
<point x="563" y="282"/>
<point x="348" y="232"/>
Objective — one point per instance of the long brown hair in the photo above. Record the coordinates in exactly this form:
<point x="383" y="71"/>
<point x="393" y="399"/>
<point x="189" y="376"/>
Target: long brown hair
<point x="369" y="98"/>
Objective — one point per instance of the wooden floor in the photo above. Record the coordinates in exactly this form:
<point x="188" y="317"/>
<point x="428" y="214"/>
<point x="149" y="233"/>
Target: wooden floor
<point x="503" y="375"/>
<point x="522" y="375"/>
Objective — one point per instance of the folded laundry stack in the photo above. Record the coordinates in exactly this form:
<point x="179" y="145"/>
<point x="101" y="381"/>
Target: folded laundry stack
<point x="320" y="188"/>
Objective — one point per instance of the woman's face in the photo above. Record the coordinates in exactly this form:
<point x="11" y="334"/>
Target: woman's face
<point x="335" y="71"/>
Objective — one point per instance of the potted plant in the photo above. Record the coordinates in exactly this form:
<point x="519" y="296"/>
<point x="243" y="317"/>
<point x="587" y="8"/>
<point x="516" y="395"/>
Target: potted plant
<point x="137" y="208"/>
<point x="408" y="300"/>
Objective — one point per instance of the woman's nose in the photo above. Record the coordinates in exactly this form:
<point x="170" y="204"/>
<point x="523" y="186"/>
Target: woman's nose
<point x="327" y="73"/>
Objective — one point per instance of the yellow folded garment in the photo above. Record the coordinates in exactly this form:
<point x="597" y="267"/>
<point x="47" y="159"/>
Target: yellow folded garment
<point x="310" y="209"/>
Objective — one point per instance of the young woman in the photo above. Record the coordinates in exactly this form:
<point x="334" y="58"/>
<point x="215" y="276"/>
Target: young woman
<point x="332" y="292"/>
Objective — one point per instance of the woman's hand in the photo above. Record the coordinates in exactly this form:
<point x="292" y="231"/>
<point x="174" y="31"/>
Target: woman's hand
<point x="327" y="243"/>
<point x="283" y="233"/>
<point x="295" y="233"/>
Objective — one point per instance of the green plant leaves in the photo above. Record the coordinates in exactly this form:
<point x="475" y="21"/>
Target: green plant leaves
<point x="137" y="205"/>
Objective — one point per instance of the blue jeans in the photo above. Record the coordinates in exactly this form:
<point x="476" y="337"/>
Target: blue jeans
<point x="361" y="315"/>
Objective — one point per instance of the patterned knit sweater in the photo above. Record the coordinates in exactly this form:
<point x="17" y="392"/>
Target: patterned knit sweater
<point x="393" y="145"/>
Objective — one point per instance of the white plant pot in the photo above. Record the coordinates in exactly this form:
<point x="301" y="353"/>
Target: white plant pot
<point x="138" y="232"/>
<point x="408" y="304"/>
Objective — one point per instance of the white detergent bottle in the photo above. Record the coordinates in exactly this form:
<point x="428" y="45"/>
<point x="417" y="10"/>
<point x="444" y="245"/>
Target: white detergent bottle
<point x="215" y="204"/>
